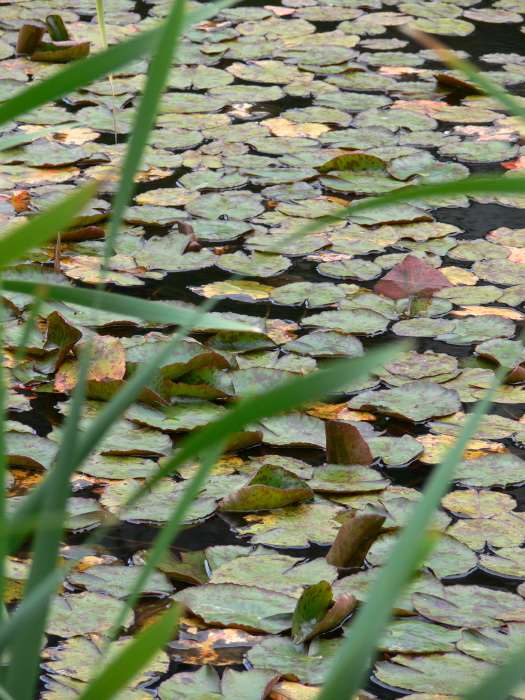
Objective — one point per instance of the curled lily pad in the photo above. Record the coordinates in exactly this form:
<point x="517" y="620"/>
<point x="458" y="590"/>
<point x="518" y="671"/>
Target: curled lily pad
<point x="272" y="487"/>
<point x="416" y="401"/>
<point x="354" y="540"/>
<point x="313" y="615"/>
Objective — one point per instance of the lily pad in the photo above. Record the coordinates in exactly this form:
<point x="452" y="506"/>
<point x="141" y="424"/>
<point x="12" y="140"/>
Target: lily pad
<point x="244" y="607"/>
<point x="326" y="344"/>
<point x="272" y="487"/>
<point x="84" y="613"/>
<point x="416" y="401"/>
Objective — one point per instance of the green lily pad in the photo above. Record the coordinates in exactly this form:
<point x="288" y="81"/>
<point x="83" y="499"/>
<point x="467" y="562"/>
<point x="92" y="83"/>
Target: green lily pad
<point x="480" y="151"/>
<point x="395" y="119"/>
<point x="489" y="644"/>
<point x="244" y="205"/>
<point x="346" y="478"/>
<point x="272" y="487"/>
<point x="449" y="557"/>
<point x="79" y="656"/>
<point x="280" y="573"/>
<point x="308" y="665"/>
<point x="505" y="531"/>
<point x="499" y="271"/>
<point x="360" y="321"/>
<point x="118" y="580"/>
<point x="326" y="344"/>
<point x="416" y="401"/>
<point x="244" y="607"/>
<point x="293" y="430"/>
<point x="258" y="265"/>
<point x="509" y="561"/>
<point x="83" y="613"/>
<point x="447" y="673"/>
<point x="362" y="270"/>
<point x="293" y="526"/>
<point x="470" y="606"/>
<point x="476" y="329"/>
<point x="443" y="25"/>
<point x="395" y="451"/>
<point x="416" y="636"/>
<point x="157" y="505"/>
<point x="423" y="327"/>
<point x="320" y="294"/>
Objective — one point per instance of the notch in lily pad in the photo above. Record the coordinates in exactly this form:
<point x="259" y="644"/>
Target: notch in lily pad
<point x="353" y="162"/>
<point x="316" y="611"/>
<point x="272" y="487"/>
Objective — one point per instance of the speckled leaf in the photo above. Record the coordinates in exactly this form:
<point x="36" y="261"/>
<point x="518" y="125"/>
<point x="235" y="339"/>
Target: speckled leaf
<point x="489" y="470"/>
<point x="326" y="344"/>
<point x="309" y="666"/>
<point x="293" y="429"/>
<point x="416" y="401"/>
<point x="274" y="572"/>
<point x="355" y="162"/>
<point x="293" y="526"/>
<point x="257" y="265"/>
<point x="118" y="580"/>
<point x="470" y="606"/>
<point x="81" y="613"/>
<point x="508" y="561"/>
<point x="272" y="487"/>
<point x="346" y="478"/>
<point x="416" y="636"/>
<point x="433" y="673"/>
<point x="360" y="321"/>
<point x="245" y="607"/>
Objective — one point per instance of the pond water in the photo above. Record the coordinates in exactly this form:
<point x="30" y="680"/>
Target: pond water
<point x="258" y="99"/>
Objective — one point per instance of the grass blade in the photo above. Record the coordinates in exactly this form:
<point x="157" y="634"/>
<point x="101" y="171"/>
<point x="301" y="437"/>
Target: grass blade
<point x="146" y="113"/>
<point x="500" y="684"/>
<point x="447" y="56"/>
<point x="125" y="667"/>
<point x="353" y="662"/>
<point x="152" y="311"/>
<point x="277" y="400"/>
<point x="470" y="186"/>
<point x="40" y="229"/>
<point x="22" y="674"/>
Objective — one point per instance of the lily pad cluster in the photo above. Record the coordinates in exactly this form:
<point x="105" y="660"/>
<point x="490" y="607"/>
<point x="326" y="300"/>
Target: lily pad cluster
<point x="270" y="121"/>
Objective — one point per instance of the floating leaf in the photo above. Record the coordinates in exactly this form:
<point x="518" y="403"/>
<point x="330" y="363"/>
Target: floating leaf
<point x="412" y="277"/>
<point x="245" y="607"/>
<point x="313" y="614"/>
<point x="416" y="401"/>
<point x="272" y="487"/>
<point x="354" y="540"/>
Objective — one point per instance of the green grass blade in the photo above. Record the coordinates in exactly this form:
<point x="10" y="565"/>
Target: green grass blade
<point x="121" y="671"/>
<point x="22" y="674"/>
<point x="22" y="137"/>
<point x="152" y="311"/>
<point x="145" y="117"/>
<point x="3" y="469"/>
<point x="469" y="186"/>
<point x="89" y="69"/>
<point x="45" y="226"/>
<point x="168" y="533"/>
<point x="78" y="74"/>
<point x="146" y="113"/>
<point x="352" y="664"/>
<point x="277" y="400"/>
<point x="469" y="69"/>
<point x="500" y="684"/>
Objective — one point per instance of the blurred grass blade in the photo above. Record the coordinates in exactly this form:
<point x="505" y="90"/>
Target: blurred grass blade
<point x="152" y="311"/>
<point x="87" y="70"/>
<point x="352" y="664"/>
<point x="282" y="398"/>
<point x="22" y="675"/>
<point x="470" y="186"/>
<point x="104" y="41"/>
<point x="3" y="469"/>
<point x="469" y="69"/>
<point x="23" y="137"/>
<point x="168" y="532"/>
<point x="121" y="671"/>
<point x="500" y="684"/>
<point x="40" y="229"/>
<point x="145" y="117"/>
